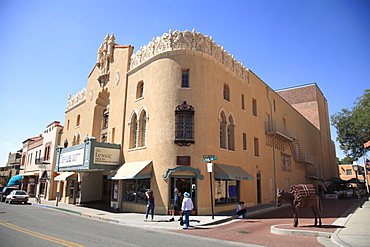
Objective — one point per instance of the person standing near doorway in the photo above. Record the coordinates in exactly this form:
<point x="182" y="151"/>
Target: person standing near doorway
<point x="150" y="206"/>
<point x="186" y="207"/>
<point x="177" y="200"/>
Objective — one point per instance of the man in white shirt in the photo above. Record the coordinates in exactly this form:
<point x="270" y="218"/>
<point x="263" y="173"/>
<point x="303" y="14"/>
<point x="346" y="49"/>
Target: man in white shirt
<point x="186" y="207"/>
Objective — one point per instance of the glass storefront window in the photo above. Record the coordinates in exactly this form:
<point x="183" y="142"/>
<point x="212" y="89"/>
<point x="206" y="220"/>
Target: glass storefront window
<point x="226" y="191"/>
<point x="134" y="190"/>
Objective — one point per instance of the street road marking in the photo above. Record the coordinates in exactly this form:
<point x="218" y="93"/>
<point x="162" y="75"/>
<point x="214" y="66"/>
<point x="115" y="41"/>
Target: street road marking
<point x="40" y="235"/>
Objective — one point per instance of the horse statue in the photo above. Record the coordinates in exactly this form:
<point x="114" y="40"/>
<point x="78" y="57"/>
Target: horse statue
<point x="300" y="197"/>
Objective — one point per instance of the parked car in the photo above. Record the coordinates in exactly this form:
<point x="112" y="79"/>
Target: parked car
<point x="17" y="196"/>
<point x="5" y="192"/>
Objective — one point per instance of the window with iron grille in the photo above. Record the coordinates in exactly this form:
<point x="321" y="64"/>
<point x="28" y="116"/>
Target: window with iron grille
<point x="184" y="131"/>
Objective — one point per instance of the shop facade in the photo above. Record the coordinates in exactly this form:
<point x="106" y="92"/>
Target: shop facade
<point x="82" y="171"/>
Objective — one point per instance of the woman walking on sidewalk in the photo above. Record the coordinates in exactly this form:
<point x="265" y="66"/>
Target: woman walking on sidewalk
<point x="150" y="206"/>
<point x="187" y="206"/>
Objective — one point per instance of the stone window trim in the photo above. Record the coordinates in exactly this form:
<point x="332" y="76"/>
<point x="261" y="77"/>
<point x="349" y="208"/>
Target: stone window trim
<point x="184" y="125"/>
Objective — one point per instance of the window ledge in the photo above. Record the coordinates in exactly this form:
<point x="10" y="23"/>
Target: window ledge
<point x="138" y="148"/>
<point x="186" y="88"/>
<point x="228" y="150"/>
<point x="138" y="99"/>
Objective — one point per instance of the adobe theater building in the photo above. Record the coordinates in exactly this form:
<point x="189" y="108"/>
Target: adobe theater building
<point x="148" y="120"/>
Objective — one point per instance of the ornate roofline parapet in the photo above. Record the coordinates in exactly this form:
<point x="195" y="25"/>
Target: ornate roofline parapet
<point x="74" y="100"/>
<point x="187" y="40"/>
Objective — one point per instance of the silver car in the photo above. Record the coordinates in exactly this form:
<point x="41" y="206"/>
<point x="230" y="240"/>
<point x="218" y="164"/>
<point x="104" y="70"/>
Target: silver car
<point x="17" y="196"/>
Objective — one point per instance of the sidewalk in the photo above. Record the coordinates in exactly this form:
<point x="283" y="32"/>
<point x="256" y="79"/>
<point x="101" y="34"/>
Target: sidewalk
<point x="352" y="230"/>
<point x="160" y="221"/>
<point x="355" y="231"/>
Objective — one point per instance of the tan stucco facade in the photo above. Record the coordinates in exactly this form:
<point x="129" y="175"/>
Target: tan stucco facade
<point x="267" y="137"/>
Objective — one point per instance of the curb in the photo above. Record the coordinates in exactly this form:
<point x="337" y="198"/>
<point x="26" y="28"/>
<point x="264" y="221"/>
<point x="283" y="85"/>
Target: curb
<point x="217" y="222"/>
<point x="99" y="218"/>
<point x="291" y="232"/>
<point x="61" y="209"/>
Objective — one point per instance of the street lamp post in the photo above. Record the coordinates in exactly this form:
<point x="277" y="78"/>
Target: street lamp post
<point x="355" y="168"/>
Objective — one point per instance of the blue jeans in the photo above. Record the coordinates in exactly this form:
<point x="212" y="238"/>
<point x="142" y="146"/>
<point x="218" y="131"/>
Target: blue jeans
<point x="186" y="217"/>
<point x="150" y="207"/>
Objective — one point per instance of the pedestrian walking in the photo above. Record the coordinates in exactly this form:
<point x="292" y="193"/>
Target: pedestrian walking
<point x="186" y="207"/>
<point x="150" y="206"/>
<point x="177" y="200"/>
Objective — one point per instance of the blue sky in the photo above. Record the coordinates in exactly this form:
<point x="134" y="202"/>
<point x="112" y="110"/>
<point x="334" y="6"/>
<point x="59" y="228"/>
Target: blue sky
<point x="48" y="48"/>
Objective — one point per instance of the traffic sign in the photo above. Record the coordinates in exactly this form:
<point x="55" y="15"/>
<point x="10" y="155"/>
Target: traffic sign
<point x="207" y="156"/>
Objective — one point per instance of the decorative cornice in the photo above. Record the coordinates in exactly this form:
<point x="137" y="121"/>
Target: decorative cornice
<point x="74" y="100"/>
<point x="187" y="40"/>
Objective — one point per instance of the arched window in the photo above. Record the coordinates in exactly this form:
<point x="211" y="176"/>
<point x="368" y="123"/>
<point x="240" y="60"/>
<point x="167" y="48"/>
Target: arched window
<point x="78" y="139"/>
<point x="142" y="126"/>
<point x="133" y="130"/>
<point x="140" y="90"/>
<point x="226" y="92"/>
<point x="74" y="141"/>
<point x="223" y="131"/>
<point x="230" y="134"/>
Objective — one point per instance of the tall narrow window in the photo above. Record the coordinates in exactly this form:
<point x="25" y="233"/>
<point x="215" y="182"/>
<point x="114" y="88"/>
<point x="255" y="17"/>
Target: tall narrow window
<point x="243" y="104"/>
<point x="78" y="139"/>
<point x="140" y="90"/>
<point x="230" y="135"/>
<point x="185" y="78"/>
<point x="133" y="130"/>
<point x="244" y="141"/>
<point x="184" y="129"/>
<point x="78" y="121"/>
<point x="68" y="124"/>
<point x="274" y="105"/>
<point x="223" y="131"/>
<point x="268" y="123"/>
<point x="105" y="118"/>
<point x="142" y="123"/>
<point x="284" y="127"/>
<point x="104" y="126"/>
<point x="256" y="148"/>
<point x="113" y="135"/>
<point x="226" y="92"/>
<point x="254" y="107"/>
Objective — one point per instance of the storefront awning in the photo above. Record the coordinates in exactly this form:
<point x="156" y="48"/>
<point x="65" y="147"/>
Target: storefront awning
<point x="134" y="170"/>
<point x="63" y="176"/>
<point x="231" y="172"/>
<point x="30" y="174"/>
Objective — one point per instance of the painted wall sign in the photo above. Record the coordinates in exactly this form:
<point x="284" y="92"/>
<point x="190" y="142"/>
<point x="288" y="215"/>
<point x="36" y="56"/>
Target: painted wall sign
<point x="106" y="156"/>
<point x="72" y="158"/>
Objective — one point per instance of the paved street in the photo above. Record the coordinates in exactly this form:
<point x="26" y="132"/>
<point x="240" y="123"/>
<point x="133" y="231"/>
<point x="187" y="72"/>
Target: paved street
<point x="343" y="220"/>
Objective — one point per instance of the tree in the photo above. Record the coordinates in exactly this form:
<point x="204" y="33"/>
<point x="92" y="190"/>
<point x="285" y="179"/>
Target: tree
<point x="353" y="126"/>
<point x="344" y="161"/>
